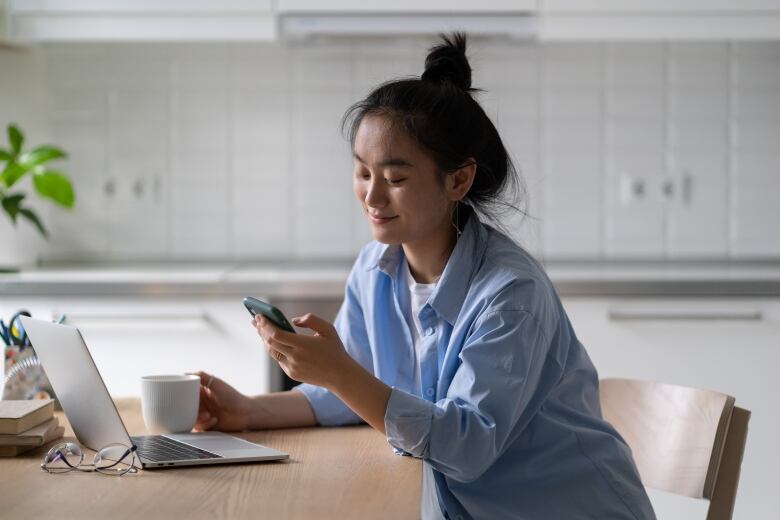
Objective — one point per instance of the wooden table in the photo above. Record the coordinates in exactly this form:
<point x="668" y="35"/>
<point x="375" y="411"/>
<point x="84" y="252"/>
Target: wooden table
<point x="347" y="472"/>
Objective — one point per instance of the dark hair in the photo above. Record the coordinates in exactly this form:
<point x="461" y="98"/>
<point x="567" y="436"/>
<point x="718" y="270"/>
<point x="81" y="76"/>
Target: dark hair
<point x="439" y="112"/>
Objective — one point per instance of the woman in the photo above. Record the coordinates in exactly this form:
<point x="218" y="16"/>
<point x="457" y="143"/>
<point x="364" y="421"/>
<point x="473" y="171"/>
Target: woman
<point x="451" y="340"/>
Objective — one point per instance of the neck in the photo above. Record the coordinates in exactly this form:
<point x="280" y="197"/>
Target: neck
<point x="428" y="257"/>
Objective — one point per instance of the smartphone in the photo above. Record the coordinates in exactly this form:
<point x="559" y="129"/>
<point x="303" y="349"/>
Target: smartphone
<point x="255" y="307"/>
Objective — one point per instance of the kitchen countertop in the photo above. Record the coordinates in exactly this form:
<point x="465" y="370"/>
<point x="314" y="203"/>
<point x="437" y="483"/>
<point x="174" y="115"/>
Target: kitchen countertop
<point x="325" y="279"/>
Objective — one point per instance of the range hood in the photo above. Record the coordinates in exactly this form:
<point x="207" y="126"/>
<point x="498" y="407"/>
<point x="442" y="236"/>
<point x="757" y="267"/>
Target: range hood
<point x="299" y="26"/>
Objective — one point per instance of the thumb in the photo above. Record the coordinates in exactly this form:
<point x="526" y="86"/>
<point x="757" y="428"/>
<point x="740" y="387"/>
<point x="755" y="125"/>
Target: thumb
<point x="315" y="323"/>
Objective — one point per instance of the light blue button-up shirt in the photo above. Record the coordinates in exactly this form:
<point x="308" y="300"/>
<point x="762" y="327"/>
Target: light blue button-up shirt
<point x="507" y="419"/>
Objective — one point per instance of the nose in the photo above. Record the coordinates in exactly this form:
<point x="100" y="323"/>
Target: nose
<point x="375" y="195"/>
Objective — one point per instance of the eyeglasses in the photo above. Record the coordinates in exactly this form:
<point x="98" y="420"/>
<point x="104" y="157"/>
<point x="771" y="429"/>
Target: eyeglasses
<point x="115" y="459"/>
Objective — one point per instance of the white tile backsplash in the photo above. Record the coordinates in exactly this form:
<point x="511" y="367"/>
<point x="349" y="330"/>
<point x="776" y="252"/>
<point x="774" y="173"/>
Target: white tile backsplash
<point x="562" y="103"/>
<point x="635" y="103"/>
<point x="238" y="151"/>
<point x="698" y="65"/>
<point x="701" y="103"/>
<point x="574" y="189"/>
<point x="690" y="134"/>
<point x="572" y="137"/>
<point x="757" y="103"/>
<point x="635" y="65"/>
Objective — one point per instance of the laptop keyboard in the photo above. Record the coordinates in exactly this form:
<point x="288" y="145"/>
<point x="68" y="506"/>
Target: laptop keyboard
<point x="157" y="448"/>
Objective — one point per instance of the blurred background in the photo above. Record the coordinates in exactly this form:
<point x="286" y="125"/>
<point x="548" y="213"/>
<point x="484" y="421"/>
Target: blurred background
<point x="206" y="156"/>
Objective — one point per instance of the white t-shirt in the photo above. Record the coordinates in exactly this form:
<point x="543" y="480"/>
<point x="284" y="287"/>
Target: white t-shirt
<point x="417" y="297"/>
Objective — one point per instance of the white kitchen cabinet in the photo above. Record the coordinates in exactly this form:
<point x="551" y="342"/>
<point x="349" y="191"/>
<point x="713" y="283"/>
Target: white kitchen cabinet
<point x="405" y="6"/>
<point x="660" y="6"/>
<point x="658" y="20"/>
<point x="305" y="18"/>
<point x="131" y="337"/>
<point x="145" y="20"/>
<point x="727" y="345"/>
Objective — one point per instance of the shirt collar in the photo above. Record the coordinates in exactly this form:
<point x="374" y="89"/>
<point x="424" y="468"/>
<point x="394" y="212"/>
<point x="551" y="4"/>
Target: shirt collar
<point x="451" y="289"/>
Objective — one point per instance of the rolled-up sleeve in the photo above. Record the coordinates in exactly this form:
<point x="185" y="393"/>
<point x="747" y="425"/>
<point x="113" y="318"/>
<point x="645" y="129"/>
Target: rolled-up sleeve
<point x="328" y="409"/>
<point x="497" y="388"/>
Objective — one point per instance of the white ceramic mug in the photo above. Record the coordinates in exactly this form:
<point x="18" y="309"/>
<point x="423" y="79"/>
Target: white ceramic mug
<point x="170" y="402"/>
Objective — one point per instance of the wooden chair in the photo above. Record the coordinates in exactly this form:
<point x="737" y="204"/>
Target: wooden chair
<point x="684" y="440"/>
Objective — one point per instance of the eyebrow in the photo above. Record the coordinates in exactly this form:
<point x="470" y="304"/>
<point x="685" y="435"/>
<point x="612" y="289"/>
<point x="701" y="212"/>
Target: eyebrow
<point x="388" y="161"/>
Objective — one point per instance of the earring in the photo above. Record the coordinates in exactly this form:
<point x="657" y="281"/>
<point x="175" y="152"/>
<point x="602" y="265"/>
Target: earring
<point x="456" y="224"/>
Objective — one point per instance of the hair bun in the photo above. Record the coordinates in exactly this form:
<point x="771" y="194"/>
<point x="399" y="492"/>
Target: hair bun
<point x="447" y="62"/>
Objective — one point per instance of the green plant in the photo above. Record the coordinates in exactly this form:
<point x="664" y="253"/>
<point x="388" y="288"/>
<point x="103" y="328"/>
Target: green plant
<point x="51" y="184"/>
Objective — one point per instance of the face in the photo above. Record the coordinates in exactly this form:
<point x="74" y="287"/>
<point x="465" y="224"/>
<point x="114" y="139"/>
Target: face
<point x="398" y="185"/>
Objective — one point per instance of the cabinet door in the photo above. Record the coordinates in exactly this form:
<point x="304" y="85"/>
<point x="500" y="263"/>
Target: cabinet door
<point x="731" y="346"/>
<point x="143" y="20"/>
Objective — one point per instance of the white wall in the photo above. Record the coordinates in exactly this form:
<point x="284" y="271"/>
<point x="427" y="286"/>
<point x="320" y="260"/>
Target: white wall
<point x="234" y="151"/>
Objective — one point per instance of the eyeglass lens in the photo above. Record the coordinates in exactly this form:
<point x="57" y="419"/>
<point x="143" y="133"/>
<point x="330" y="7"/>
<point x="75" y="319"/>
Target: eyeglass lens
<point x="63" y="457"/>
<point x="115" y="459"/>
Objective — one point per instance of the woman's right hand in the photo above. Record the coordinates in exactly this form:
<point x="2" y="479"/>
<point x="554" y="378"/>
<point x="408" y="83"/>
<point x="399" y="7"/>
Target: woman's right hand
<point x="221" y="407"/>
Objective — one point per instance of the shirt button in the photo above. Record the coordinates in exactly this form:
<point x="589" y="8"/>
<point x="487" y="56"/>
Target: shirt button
<point x="429" y="392"/>
<point x="429" y="331"/>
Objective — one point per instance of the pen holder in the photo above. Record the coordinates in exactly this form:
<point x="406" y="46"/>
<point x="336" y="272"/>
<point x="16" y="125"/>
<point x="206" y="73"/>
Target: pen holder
<point x="24" y="376"/>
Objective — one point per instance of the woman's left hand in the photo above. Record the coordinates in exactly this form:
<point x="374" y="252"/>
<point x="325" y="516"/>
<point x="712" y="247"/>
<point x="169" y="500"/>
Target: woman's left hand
<point x="319" y="359"/>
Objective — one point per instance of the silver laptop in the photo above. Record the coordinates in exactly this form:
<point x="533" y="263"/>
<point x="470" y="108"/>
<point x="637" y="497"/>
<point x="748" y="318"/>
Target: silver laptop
<point x="96" y="422"/>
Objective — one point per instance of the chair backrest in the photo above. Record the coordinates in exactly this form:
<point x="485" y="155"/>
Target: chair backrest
<point x="684" y="440"/>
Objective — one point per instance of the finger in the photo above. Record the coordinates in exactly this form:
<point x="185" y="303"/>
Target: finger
<point x="315" y="323"/>
<point x="276" y="355"/>
<point x="204" y="377"/>
<point x="283" y="364"/>
<point x="270" y="331"/>
<point x="203" y="420"/>
<point x="207" y="425"/>
<point x="208" y="403"/>
<point x="283" y="349"/>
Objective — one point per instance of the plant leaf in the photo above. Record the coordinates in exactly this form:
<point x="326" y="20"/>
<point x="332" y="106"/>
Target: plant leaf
<point x="16" y="138"/>
<point x="12" y="203"/>
<point x="12" y="173"/>
<point x="32" y="217"/>
<point x="5" y="155"/>
<point x="40" y="155"/>
<point x="54" y="185"/>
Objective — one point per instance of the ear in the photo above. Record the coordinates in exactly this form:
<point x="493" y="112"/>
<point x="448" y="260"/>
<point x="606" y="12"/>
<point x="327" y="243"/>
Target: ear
<point x="459" y="182"/>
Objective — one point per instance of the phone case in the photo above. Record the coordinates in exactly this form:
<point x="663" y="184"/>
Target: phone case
<point x="255" y="306"/>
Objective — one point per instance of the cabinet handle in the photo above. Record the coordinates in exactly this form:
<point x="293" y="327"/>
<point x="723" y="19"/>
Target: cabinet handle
<point x="685" y="316"/>
<point x="134" y="316"/>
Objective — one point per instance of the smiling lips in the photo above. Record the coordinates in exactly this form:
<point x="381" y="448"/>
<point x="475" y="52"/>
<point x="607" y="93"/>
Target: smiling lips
<point x="379" y="220"/>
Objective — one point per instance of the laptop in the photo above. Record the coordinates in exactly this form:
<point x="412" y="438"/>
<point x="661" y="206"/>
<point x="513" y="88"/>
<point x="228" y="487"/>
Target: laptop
<point x="94" y="417"/>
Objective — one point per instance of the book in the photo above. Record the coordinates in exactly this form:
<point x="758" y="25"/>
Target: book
<point x="13" y="451"/>
<point x="18" y="416"/>
<point x="35" y="436"/>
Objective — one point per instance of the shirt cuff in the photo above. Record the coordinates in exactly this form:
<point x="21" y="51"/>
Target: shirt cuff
<point x="408" y="422"/>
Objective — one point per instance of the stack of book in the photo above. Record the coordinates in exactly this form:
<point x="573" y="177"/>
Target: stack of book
<point x="25" y="425"/>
